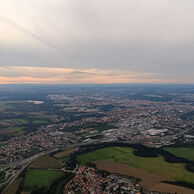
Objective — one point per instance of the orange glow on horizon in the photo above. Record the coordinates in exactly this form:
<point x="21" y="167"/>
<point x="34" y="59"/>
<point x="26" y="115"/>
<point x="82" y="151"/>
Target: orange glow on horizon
<point x="49" y="75"/>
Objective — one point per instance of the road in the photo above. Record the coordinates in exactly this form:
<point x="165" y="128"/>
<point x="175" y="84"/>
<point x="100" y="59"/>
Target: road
<point x="25" y="162"/>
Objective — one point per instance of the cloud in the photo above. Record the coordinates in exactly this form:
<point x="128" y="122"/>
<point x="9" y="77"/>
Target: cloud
<point x="155" y="36"/>
<point x="47" y="75"/>
<point x="22" y="29"/>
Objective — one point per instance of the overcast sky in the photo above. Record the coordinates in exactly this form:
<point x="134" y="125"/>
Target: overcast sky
<point x="97" y="41"/>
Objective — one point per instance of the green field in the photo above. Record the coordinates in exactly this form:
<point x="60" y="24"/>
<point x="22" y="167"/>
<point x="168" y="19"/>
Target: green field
<point x="40" y="178"/>
<point x="183" y="152"/>
<point x="17" y="130"/>
<point x="22" y="121"/>
<point x="155" y="165"/>
<point x="40" y="122"/>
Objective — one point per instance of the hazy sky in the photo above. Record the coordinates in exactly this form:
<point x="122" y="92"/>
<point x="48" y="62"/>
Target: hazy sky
<point x="97" y="41"/>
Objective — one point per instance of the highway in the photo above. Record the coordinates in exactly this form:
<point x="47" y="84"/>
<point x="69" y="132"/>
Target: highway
<point x="25" y="162"/>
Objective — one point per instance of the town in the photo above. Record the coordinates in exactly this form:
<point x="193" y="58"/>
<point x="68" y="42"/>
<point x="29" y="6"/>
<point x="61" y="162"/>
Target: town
<point x="75" y="119"/>
<point x="154" y="124"/>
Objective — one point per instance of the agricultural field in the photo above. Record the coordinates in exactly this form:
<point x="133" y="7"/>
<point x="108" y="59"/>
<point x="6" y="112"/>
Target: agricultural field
<point x="46" y="162"/>
<point x="41" y="122"/>
<point x="183" y="152"/>
<point x="17" y="130"/>
<point x="21" y="121"/>
<point x="40" y="178"/>
<point x="64" y="159"/>
<point x="154" y="165"/>
<point x="64" y="153"/>
<point x="15" y="114"/>
<point x="14" y="187"/>
<point x="149" y="181"/>
<point x="44" y="115"/>
<point x="4" y="106"/>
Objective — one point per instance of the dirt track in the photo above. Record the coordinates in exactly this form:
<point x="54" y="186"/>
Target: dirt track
<point x="149" y="181"/>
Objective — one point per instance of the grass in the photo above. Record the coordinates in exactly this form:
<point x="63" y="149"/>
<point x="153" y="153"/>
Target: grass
<point x="45" y="162"/>
<point x="40" y="122"/>
<point x="22" y="121"/>
<point x="17" y="130"/>
<point x="183" y="152"/>
<point x="40" y="178"/>
<point x="65" y="159"/>
<point x="114" y="124"/>
<point x="156" y="165"/>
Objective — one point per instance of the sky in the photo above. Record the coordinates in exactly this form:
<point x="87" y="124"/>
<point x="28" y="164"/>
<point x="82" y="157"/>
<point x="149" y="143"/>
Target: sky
<point x="96" y="41"/>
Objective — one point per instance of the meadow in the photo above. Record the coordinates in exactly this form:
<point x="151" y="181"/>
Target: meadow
<point x="40" y="178"/>
<point x="42" y="122"/>
<point x="183" y="152"/>
<point x="22" y="121"/>
<point x="154" y="165"/>
<point x="17" y="130"/>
